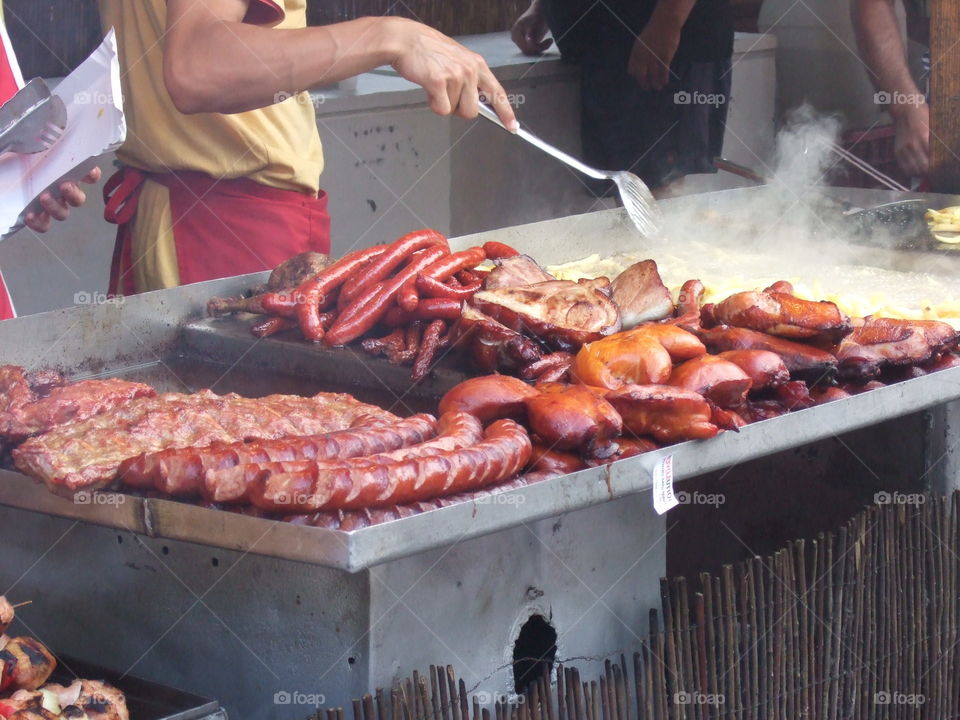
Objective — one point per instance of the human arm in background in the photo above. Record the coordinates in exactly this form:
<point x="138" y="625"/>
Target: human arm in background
<point x="58" y="208"/>
<point x="657" y="43"/>
<point x="881" y="48"/>
<point x="529" y="32"/>
<point x="214" y="62"/>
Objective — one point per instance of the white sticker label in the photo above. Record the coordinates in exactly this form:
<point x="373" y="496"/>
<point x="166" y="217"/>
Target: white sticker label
<point x="663" y="497"/>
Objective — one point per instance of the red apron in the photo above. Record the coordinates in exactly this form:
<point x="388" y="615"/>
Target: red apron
<point x="221" y="228"/>
<point x="10" y="82"/>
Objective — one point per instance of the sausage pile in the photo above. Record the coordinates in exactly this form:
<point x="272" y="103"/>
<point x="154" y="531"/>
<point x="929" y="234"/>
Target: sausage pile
<point x="411" y="289"/>
<point x="25" y="667"/>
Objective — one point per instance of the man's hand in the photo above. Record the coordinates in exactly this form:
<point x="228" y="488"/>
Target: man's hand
<point x="653" y="52"/>
<point x="912" y="141"/>
<point x="530" y="30"/>
<point x="58" y="208"/>
<point x="453" y="76"/>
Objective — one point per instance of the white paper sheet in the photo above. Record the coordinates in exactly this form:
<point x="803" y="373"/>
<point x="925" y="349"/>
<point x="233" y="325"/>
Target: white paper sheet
<point x="95" y="125"/>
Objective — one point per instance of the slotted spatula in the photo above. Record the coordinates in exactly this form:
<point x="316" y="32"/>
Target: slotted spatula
<point x="32" y="120"/>
<point x="637" y="199"/>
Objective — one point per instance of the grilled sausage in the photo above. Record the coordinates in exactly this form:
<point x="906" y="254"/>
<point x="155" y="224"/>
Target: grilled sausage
<point x="390" y="259"/>
<point x="381" y="480"/>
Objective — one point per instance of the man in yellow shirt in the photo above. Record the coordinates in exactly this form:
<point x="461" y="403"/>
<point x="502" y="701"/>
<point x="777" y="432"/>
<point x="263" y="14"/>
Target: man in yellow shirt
<point x="220" y="179"/>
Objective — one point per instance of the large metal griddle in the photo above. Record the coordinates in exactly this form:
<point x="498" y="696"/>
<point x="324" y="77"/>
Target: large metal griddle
<point x="162" y="337"/>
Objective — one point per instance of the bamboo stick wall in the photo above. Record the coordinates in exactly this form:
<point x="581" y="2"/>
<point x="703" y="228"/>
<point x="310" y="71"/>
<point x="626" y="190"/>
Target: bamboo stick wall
<point x="861" y="623"/>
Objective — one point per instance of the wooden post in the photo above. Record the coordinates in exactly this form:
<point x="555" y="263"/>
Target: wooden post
<point x="945" y="96"/>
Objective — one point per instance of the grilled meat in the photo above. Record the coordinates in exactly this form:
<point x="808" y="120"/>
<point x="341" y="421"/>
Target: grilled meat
<point x="783" y="315"/>
<point x="515" y="271"/>
<point x="489" y="397"/>
<point x="883" y="342"/>
<point x="563" y="314"/>
<point x="666" y="413"/>
<point x="6" y="615"/>
<point x="766" y="369"/>
<point x="574" y="417"/>
<point x="286" y="276"/>
<point x="718" y="380"/>
<point x="88" y="453"/>
<point x="797" y="357"/>
<point x="641" y="295"/>
<point x="25" y="663"/>
<point x="491" y="345"/>
<point x="69" y="403"/>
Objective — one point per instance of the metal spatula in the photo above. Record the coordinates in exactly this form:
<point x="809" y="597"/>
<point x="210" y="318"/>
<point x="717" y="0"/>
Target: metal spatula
<point x="638" y="201"/>
<point x="32" y="120"/>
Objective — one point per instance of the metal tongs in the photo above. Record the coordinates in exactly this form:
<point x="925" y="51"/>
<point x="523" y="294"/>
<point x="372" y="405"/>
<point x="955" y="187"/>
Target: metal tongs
<point x="637" y="199"/>
<point x="32" y="120"/>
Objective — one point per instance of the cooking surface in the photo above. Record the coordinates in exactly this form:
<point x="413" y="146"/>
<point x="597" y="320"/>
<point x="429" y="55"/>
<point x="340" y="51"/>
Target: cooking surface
<point x="162" y="339"/>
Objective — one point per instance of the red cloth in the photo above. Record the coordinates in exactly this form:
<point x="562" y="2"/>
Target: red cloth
<point x="221" y="228"/>
<point x="9" y="84"/>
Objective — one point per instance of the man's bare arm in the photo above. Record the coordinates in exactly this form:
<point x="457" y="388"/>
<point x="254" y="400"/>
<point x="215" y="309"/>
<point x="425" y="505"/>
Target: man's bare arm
<point x="656" y="45"/>
<point x="214" y="62"/>
<point x="878" y="37"/>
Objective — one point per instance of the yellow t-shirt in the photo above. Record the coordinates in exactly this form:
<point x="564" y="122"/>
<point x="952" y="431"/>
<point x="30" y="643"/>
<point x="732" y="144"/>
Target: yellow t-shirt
<point x="278" y="146"/>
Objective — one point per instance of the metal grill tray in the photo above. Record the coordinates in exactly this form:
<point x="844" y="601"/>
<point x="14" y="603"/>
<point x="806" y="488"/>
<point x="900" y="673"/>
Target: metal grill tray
<point x="158" y="337"/>
<point x="145" y="700"/>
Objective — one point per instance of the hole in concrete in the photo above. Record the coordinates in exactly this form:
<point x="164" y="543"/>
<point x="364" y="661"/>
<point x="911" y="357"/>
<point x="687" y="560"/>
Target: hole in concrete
<point x="533" y="652"/>
<point x="215" y="562"/>
<point x="351" y="660"/>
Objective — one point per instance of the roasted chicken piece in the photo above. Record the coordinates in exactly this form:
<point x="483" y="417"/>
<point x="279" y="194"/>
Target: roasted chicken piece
<point x="286" y="276"/>
<point x="489" y="398"/>
<point x="783" y="315"/>
<point x="490" y="344"/>
<point x="81" y="700"/>
<point x="718" y="380"/>
<point x="573" y="417"/>
<point x="766" y="369"/>
<point x="799" y="358"/>
<point x="515" y="271"/>
<point x="882" y="342"/>
<point x="641" y="295"/>
<point x="643" y="355"/>
<point x="25" y="663"/>
<point x="563" y="314"/>
<point x="666" y="413"/>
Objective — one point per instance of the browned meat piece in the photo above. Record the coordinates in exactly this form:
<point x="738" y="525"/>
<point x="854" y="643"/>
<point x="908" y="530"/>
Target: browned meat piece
<point x="25" y="663"/>
<point x="783" y="315"/>
<point x="883" y="342"/>
<point x="490" y="344"/>
<point x="488" y="398"/>
<point x="43" y="381"/>
<point x="574" y="417"/>
<point x="827" y="394"/>
<point x="287" y="275"/>
<point x="514" y="272"/>
<point x="101" y="701"/>
<point x="718" y="380"/>
<point x="668" y="414"/>
<point x="14" y="388"/>
<point x="69" y="403"/>
<point x="797" y="357"/>
<point x="89" y="452"/>
<point x="641" y="295"/>
<point x="766" y="369"/>
<point x="690" y="298"/>
<point x="563" y="314"/>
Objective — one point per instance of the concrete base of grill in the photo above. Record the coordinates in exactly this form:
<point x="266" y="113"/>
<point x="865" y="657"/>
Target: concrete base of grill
<point x="257" y="632"/>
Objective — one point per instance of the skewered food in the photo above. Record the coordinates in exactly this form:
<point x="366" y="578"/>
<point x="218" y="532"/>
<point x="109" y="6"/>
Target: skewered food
<point x="641" y="295"/>
<point x="25" y="663"/>
<point x="563" y="314"/>
<point x="88" y="453"/>
<point x="780" y="314"/>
